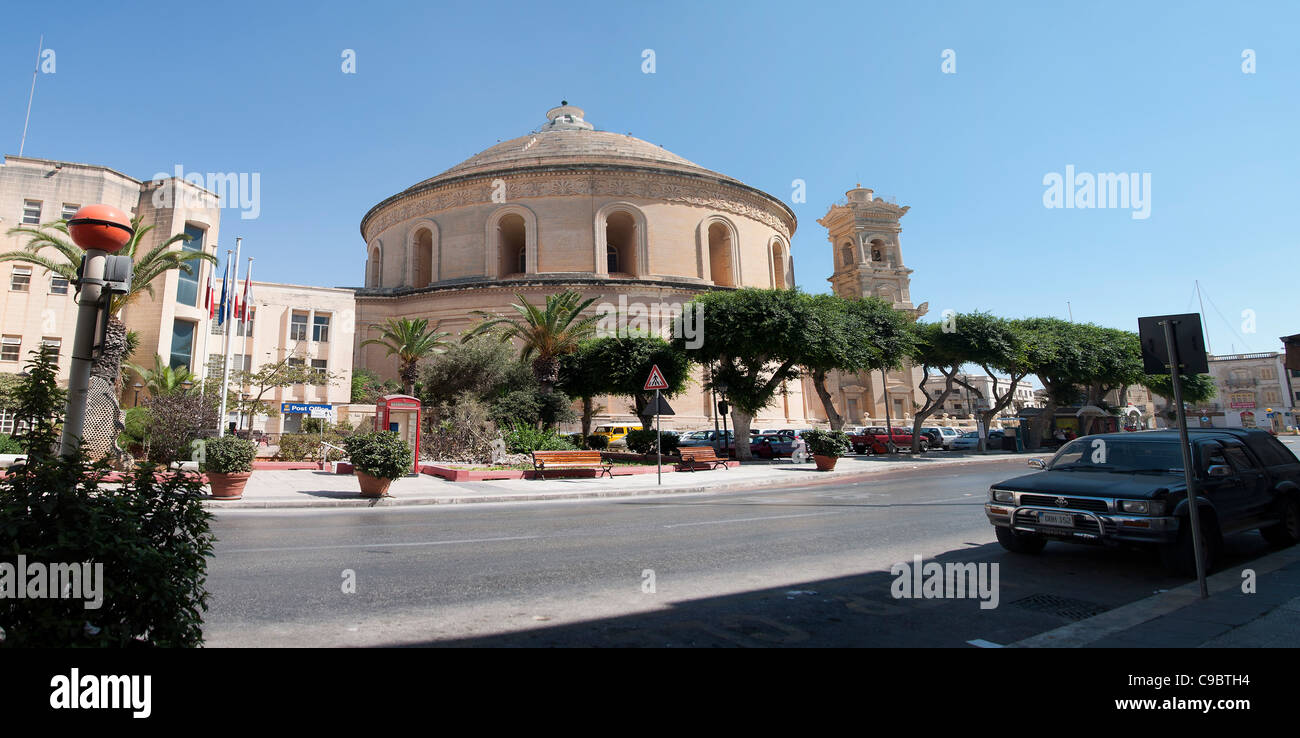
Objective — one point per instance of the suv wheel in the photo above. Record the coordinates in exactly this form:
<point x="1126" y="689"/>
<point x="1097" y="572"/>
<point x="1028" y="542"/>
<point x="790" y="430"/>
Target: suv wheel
<point x="924" y="445"/>
<point x="1021" y="543"/>
<point x="860" y="449"/>
<point x="1287" y="532"/>
<point x="1178" y="558"/>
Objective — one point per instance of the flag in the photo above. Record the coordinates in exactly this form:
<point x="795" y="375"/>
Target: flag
<point x="247" y="314"/>
<point x="221" y="313"/>
<point x="208" y="302"/>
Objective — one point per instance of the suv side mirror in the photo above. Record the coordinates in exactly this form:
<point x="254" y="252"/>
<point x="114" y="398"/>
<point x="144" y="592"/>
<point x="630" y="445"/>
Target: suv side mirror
<point x="1218" y="470"/>
<point x="1038" y="463"/>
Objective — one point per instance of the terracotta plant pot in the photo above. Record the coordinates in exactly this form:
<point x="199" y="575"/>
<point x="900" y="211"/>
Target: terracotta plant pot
<point x="825" y="463"/>
<point x="372" y="486"/>
<point x="228" y="486"/>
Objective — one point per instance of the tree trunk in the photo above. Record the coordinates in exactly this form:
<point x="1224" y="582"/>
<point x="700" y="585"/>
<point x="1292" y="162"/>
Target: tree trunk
<point x="588" y="410"/>
<point x="409" y="373"/>
<point x="740" y="432"/>
<point x="108" y="365"/>
<point x="106" y="373"/>
<point x="819" y="384"/>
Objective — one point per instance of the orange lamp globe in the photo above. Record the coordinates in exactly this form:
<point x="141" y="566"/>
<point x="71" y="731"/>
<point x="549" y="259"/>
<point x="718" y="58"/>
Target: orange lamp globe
<point x="101" y="227"/>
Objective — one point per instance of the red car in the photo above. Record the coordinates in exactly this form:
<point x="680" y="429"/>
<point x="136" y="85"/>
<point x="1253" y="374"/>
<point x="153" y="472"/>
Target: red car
<point x="874" y="440"/>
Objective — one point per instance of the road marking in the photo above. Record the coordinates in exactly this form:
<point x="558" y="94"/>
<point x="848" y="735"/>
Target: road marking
<point x="746" y="520"/>
<point x="377" y="545"/>
<point x="981" y="643"/>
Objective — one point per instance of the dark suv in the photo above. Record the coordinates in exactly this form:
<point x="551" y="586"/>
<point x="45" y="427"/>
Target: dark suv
<point x="1129" y="488"/>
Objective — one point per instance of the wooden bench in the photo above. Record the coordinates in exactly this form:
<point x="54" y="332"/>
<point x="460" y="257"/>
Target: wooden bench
<point x="709" y="456"/>
<point x="544" y="461"/>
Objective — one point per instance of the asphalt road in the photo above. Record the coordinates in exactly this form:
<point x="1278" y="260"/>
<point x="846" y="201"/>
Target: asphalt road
<point x="800" y="566"/>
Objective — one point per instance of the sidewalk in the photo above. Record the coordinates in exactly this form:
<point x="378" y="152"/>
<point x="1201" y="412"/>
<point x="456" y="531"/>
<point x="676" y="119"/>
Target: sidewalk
<point x="1268" y="617"/>
<point x="308" y="488"/>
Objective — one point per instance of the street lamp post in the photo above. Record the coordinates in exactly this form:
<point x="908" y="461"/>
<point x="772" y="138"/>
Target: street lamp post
<point x="137" y="386"/>
<point x="722" y="410"/>
<point x="101" y="231"/>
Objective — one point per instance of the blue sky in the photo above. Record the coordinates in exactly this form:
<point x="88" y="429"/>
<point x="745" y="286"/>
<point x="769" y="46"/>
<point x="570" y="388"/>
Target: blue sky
<point x="830" y="93"/>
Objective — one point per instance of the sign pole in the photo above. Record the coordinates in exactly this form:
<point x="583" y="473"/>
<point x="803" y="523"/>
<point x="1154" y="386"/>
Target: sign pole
<point x="659" y="445"/>
<point x="1193" y="494"/>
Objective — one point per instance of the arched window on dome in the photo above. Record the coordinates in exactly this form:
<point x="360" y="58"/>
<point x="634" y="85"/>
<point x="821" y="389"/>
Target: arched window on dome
<point x="846" y="254"/>
<point x="621" y="242"/>
<point x="374" y="266"/>
<point x="722" y="268"/>
<point x="879" y="250"/>
<point x="512" y="244"/>
<point x="778" y="266"/>
<point x="422" y="258"/>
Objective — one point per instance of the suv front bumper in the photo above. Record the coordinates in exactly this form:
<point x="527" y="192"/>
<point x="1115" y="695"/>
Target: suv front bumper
<point x="1088" y="527"/>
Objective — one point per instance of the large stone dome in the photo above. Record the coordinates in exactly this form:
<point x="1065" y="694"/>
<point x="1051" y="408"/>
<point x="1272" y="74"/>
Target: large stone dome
<point x="567" y="138"/>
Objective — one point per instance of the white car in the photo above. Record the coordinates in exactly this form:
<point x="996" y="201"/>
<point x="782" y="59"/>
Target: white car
<point x="946" y="435"/>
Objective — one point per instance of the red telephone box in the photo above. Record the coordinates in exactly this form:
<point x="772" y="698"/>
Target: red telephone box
<point x="401" y="414"/>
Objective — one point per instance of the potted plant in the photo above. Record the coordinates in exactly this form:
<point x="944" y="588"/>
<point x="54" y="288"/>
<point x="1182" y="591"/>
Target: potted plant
<point x="378" y="457"/>
<point x="228" y="463"/>
<point x="826" y="447"/>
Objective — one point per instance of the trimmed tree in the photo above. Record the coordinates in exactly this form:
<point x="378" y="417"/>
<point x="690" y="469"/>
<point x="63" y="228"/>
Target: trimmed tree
<point x="946" y="347"/>
<point x="852" y="335"/>
<point x="754" y="339"/>
<point x="1197" y="388"/>
<point x="619" y="365"/>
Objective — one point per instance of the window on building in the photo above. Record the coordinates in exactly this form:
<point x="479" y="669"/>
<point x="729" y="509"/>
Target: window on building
<point x="20" y="280"/>
<point x="58" y="285"/>
<point x="6" y="421"/>
<point x="187" y="284"/>
<point x="320" y="366"/>
<point x="31" y="212"/>
<point x="55" y="344"/>
<point x="10" y="348"/>
<point x="70" y="209"/>
<point x="238" y="362"/>
<point x="298" y="327"/>
<point x="298" y="362"/>
<point x="1267" y="372"/>
<point x="182" y="343"/>
<point x="320" y="330"/>
<point x="1272" y="395"/>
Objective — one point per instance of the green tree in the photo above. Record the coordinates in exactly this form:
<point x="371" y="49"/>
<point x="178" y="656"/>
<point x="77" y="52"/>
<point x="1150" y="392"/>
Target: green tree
<point x="1197" y="388"/>
<point x="149" y="266"/>
<point x="754" y="339"/>
<point x="852" y="335"/>
<point x="997" y="346"/>
<point x="161" y="379"/>
<point x="544" y="334"/>
<point x="619" y="365"/>
<point x="948" y="345"/>
<point x="286" y="372"/>
<point x="367" y="387"/>
<point x="411" y="341"/>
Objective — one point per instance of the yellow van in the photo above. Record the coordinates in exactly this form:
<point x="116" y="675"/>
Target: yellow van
<point x="617" y="434"/>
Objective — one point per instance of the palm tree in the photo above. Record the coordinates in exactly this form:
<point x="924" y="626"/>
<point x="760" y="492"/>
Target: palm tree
<point x="412" y="341"/>
<point x="163" y="379"/>
<point x="546" y="335"/>
<point x="158" y="261"/>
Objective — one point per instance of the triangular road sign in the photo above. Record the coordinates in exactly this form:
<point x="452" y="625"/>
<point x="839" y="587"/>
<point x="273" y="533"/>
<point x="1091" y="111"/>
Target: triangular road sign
<point x="656" y="379"/>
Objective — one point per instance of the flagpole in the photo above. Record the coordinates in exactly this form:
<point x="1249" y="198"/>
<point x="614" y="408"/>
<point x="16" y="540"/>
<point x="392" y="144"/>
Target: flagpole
<point x="243" y="325"/>
<point x="203" y="353"/>
<point x="225" y="371"/>
<point x="40" y="46"/>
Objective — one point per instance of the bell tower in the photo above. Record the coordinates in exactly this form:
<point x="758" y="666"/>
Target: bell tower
<point x="863" y="230"/>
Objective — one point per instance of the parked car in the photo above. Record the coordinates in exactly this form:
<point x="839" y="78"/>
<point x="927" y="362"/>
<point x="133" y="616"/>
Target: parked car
<point x="873" y="439"/>
<point x="617" y="434"/>
<point x="1129" y="489"/>
<point x="941" y="436"/>
<point x="772" y="445"/>
<point x="970" y="440"/>
<point x="708" y="438"/>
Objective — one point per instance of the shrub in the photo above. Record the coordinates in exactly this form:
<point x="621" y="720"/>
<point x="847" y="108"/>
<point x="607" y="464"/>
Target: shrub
<point x="524" y="439"/>
<point x="227" y="455"/>
<point x="9" y="446"/>
<point x="459" y="431"/>
<point x="597" y="443"/>
<point x="150" y="534"/>
<point x="306" y="446"/>
<point x="827" y="443"/>
<point x="642" y="441"/>
<point x="175" y="421"/>
<point x="380" y="454"/>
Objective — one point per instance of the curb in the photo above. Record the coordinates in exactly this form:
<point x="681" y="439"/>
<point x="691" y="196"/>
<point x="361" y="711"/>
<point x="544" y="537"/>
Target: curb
<point x="1084" y="632"/>
<point x="723" y="486"/>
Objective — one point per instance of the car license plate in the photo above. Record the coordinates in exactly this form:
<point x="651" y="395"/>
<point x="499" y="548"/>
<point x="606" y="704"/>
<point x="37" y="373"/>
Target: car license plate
<point x="1047" y="518"/>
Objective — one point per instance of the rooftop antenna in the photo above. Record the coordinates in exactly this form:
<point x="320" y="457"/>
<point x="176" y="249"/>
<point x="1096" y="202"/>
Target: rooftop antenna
<point x="36" y="69"/>
<point x="1209" y="349"/>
